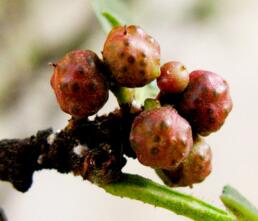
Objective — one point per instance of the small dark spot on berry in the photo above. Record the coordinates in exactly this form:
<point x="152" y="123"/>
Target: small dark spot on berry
<point x="131" y="59"/>
<point x="210" y="111"/>
<point x="125" y="30"/>
<point x="200" y="168"/>
<point x="173" y="162"/>
<point x="131" y="78"/>
<point x="143" y="55"/>
<point x="154" y="151"/>
<point x="75" y="87"/>
<point x="142" y="63"/>
<point x="126" y="42"/>
<point x="92" y="87"/>
<point x="80" y="70"/>
<point x="124" y="69"/>
<point x="142" y="72"/>
<point x="163" y="125"/>
<point x="197" y="101"/>
<point x="122" y="54"/>
<point x="156" y="139"/>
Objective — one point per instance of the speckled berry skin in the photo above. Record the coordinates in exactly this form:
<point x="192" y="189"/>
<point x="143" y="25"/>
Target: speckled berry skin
<point x="78" y="83"/>
<point x="197" y="165"/>
<point x="195" y="168"/>
<point x="161" y="138"/>
<point x="173" y="78"/>
<point x="206" y="102"/>
<point x="132" y="56"/>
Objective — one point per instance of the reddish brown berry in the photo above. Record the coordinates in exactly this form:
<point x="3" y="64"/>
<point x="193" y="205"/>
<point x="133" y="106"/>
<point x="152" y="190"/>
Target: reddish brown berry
<point x="78" y="83"/>
<point x="161" y="138"/>
<point x="197" y="165"/>
<point x="195" y="168"/>
<point x="173" y="78"/>
<point x="132" y="56"/>
<point x="206" y="102"/>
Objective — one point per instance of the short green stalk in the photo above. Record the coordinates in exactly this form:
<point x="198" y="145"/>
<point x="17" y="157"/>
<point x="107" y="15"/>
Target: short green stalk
<point x="150" y="103"/>
<point x="124" y="95"/>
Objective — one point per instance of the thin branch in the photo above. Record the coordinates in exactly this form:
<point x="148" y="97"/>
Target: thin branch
<point x="91" y="149"/>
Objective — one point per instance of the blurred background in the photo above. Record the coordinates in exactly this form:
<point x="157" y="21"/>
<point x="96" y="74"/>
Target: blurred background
<point x="221" y="36"/>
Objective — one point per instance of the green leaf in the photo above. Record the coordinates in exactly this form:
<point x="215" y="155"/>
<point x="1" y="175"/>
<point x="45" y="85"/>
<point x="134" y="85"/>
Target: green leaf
<point x="238" y="205"/>
<point x="105" y="11"/>
<point x="147" y="191"/>
<point x="111" y="19"/>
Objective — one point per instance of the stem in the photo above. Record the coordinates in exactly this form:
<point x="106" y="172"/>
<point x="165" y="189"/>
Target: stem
<point x="150" y="103"/>
<point x="239" y="205"/>
<point x="147" y="191"/>
<point x="124" y="95"/>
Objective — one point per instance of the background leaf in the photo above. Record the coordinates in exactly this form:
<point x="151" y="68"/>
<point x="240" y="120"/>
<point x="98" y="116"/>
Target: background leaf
<point x="238" y="205"/>
<point x="107" y="12"/>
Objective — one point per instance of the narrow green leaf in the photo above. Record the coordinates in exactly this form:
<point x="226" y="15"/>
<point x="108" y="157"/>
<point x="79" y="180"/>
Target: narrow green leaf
<point x="105" y="11"/>
<point x="238" y="205"/>
<point x="147" y="191"/>
<point x="112" y="19"/>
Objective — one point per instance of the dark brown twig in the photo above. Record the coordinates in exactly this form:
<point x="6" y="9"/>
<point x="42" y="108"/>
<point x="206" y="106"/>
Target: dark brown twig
<point x="92" y="149"/>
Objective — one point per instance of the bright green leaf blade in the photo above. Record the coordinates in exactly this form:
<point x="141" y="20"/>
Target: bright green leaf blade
<point x="147" y="191"/>
<point x="238" y="205"/>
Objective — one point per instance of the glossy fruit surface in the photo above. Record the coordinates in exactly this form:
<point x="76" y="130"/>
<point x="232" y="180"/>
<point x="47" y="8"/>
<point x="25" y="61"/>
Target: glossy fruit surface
<point x="161" y="138"/>
<point x="195" y="168"/>
<point x="132" y="56"/>
<point x="174" y="78"/>
<point x="206" y="102"/>
<point x="78" y="83"/>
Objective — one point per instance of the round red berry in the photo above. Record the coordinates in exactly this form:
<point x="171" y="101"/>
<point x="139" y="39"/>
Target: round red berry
<point x="195" y="168"/>
<point x="206" y="102"/>
<point x="174" y="78"/>
<point x="161" y="138"/>
<point x="132" y="56"/>
<point x="78" y="83"/>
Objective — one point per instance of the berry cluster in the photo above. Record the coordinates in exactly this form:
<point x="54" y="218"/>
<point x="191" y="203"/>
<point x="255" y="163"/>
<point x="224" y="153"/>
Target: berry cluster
<point x="167" y="136"/>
